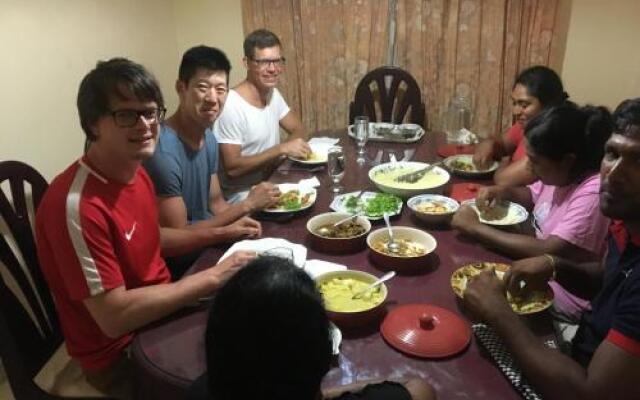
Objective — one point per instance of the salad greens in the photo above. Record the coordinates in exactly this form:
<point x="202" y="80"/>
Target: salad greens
<point x="374" y="206"/>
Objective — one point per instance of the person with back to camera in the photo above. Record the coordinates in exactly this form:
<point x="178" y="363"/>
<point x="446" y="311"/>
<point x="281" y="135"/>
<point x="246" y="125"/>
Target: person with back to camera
<point x="565" y="145"/>
<point x="268" y="338"/>
<point x="535" y="89"/>
<point x="604" y="361"/>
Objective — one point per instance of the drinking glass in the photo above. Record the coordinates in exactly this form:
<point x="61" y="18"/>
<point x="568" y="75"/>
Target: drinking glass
<point x="361" y="131"/>
<point x="335" y="167"/>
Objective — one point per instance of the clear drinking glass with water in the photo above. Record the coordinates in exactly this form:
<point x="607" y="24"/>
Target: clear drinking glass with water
<point x="361" y="132"/>
<point x="335" y="167"/>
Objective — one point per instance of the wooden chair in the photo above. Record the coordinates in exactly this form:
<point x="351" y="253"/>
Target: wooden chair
<point x="388" y="94"/>
<point x="29" y="329"/>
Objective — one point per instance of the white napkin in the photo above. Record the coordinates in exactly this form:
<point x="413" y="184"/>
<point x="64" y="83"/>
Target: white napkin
<point x="316" y="268"/>
<point x="266" y="244"/>
<point x="325" y="141"/>
<point x="310" y="182"/>
<point x="321" y="145"/>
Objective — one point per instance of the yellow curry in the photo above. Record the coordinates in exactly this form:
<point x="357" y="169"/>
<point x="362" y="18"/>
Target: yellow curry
<point x="338" y="293"/>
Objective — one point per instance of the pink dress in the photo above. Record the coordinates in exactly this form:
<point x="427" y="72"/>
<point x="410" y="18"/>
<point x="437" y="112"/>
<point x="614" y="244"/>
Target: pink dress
<point x="571" y="213"/>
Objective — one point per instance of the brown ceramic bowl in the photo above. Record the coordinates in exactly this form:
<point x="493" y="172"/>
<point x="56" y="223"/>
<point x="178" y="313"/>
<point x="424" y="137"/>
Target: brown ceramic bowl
<point x="398" y="263"/>
<point x="347" y="319"/>
<point x="336" y="245"/>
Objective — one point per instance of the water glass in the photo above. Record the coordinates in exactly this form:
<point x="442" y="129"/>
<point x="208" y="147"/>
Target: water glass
<point x="335" y="167"/>
<point x="361" y="132"/>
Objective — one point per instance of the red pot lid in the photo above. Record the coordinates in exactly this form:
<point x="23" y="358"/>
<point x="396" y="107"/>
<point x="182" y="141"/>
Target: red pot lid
<point x="424" y="330"/>
<point x="464" y="191"/>
<point x="449" y="150"/>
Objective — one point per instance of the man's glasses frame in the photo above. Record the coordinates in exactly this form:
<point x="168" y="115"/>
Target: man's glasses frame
<point x="265" y="62"/>
<point x="127" y="118"/>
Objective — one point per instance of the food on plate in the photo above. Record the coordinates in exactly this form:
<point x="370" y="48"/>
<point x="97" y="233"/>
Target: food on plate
<point x="374" y="206"/>
<point x="531" y="302"/>
<point x="494" y="212"/>
<point x="314" y="157"/>
<point x="387" y="177"/>
<point x="338" y="292"/>
<point x="432" y="207"/>
<point x="462" y="165"/>
<point x="406" y="248"/>
<point x="342" y="231"/>
<point x="292" y="200"/>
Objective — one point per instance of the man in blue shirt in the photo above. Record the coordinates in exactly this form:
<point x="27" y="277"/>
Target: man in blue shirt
<point x="605" y="354"/>
<point x="185" y="163"/>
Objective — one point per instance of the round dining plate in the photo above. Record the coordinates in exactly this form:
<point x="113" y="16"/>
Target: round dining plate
<point x="535" y="302"/>
<point x="462" y="165"/>
<point x="305" y="196"/>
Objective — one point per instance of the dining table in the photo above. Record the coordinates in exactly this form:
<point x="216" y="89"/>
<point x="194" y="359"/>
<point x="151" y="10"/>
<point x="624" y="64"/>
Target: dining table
<point x="169" y="354"/>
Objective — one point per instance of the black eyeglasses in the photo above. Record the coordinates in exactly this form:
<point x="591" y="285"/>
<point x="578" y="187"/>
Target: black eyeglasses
<point x="127" y="118"/>
<point x="264" y="63"/>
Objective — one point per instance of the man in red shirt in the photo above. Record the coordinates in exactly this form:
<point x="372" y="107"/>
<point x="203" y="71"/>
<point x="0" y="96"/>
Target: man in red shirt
<point x="605" y="355"/>
<point x="97" y="231"/>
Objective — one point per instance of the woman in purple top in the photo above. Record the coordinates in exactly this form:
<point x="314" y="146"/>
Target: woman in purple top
<point x="565" y="145"/>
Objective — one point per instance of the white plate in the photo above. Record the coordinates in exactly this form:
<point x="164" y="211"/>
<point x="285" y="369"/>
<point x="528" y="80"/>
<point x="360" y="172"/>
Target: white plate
<point x="338" y="203"/>
<point x="516" y="214"/>
<point x="285" y="187"/>
<point x="393" y="137"/>
<point x="468" y="159"/>
<point x="320" y="151"/>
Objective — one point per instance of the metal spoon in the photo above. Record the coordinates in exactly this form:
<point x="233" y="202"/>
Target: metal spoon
<point x="384" y="278"/>
<point x="392" y="246"/>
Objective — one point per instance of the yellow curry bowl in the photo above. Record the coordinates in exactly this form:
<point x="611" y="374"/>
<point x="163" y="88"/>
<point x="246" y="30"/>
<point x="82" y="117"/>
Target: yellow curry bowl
<point x="348" y="237"/>
<point x="337" y="289"/>
<point x="385" y="177"/>
<point x="414" y="255"/>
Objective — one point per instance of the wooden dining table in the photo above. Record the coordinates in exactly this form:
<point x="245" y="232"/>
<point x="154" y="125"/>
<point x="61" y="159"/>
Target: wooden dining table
<point x="170" y="353"/>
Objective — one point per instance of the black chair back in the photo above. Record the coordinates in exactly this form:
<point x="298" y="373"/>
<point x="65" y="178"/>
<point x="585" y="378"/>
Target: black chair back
<point x="29" y="327"/>
<point x="388" y="94"/>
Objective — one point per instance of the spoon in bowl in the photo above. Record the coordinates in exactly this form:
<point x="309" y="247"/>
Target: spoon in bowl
<point x="375" y="284"/>
<point x="392" y="246"/>
<point x="327" y="230"/>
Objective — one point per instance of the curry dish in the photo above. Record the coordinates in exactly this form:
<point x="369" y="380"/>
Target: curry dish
<point x="345" y="230"/>
<point x="432" y="207"/>
<point x="338" y="292"/>
<point x="532" y="302"/>
<point x="407" y="248"/>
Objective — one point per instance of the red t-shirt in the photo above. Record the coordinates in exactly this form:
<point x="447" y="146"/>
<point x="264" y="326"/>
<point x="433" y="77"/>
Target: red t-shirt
<point x="93" y="236"/>
<point x="515" y="135"/>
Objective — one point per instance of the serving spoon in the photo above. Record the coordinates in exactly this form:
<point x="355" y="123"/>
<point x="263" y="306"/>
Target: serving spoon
<point x="392" y="245"/>
<point x="377" y="283"/>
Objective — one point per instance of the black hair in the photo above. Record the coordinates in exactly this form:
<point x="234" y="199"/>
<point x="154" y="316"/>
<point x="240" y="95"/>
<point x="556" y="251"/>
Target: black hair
<point x="544" y="84"/>
<point x="119" y="78"/>
<point x="261" y="39"/>
<point x="268" y="335"/>
<point x="626" y="117"/>
<point x="202" y="57"/>
<point x="569" y="129"/>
